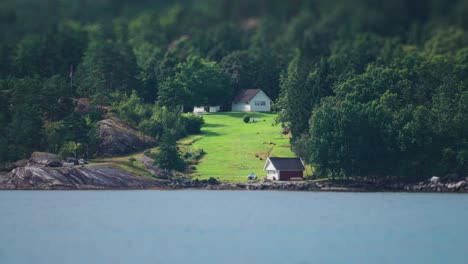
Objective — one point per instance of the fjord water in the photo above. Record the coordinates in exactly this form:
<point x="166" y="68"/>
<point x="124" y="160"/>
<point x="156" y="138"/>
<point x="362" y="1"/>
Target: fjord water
<point x="231" y="227"/>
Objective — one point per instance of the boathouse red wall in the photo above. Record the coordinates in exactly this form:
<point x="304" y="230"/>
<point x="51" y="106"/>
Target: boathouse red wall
<point x="287" y="175"/>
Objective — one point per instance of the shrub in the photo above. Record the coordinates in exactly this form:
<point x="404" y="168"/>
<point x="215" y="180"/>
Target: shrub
<point x="192" y="156"/>
<point x="169" y="157"/>
<point x="246" y="119"/>
<point x="193" y="124"/>
<point x="151" y="128"/>
<point x="70" y="148"/>
<point x="148" y="154"/>
<point x="132" y="109"/>
<point x="213" y="181"/>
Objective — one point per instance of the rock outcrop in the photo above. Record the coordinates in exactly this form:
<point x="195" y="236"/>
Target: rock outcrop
<point x="85" y="178"/>
<point x="117" y="137"/>
<point x="45" y="159"/>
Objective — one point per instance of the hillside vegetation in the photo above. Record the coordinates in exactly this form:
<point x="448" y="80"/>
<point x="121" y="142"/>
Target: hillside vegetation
<point x="369" y="88"/>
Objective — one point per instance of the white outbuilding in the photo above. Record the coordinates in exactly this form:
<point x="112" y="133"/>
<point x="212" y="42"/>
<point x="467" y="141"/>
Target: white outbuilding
<point x="251" y="100"/>
<point x="206" y="109"/>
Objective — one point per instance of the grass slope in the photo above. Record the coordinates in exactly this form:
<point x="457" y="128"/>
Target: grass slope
<point x="232" y="145"/>
<point x="123" y="163"/>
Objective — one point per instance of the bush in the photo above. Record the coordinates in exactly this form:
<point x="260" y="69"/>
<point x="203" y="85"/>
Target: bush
<point x="213" y="181"/>
<point x="169" y="157"/>
<point x="246" y="119"/>
<point x="149" y="154"/>
<point x="192" y="156"/>
<point x="193" y="124"/>
<point x="132" y="109"/>
<point x="70" y="149"/>
<point x="151" y="128"/>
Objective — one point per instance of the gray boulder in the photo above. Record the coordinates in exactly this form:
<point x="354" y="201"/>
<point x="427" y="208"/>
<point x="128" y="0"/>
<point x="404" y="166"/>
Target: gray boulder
<point x="435" y="180"/>
<point x="456" y="186"/>
<point x="45" y="159"/>
<point x="21" y="163"/>
<point x="72" y="160"/>
<point x="117" y="137"/>
<point x="460" y="185"/>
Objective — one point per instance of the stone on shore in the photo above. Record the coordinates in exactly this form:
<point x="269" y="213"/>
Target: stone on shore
<point x="456" y="186"/>
<point x="435" y="180"/>
<point x="460" y="184"/>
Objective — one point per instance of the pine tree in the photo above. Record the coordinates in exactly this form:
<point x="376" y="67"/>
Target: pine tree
<point x="168" y="157"/>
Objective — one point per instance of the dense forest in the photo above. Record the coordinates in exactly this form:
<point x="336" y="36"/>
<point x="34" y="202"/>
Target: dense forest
<point x="368" y="88"/>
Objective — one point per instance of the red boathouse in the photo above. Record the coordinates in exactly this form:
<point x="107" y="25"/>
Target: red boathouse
<point x="284" y="169"/>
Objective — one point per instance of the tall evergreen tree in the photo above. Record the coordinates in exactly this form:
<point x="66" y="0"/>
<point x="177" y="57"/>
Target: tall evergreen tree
<point x="106" y="68"/>
<point x="168" y="156"/>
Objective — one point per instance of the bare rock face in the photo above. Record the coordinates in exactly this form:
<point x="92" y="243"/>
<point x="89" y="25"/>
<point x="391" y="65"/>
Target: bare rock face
<point x="117" y="137"/>
<point x="44" y="171"/>
<point x="45" y="159"/>
<point x="85" y="178"/>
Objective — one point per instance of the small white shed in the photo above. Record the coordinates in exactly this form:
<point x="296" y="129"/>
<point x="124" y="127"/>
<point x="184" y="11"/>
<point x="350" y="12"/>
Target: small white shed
<point x="205" y="109"/>
<point x="251" y="100"/>
<point x="199" y="110"/>
<point x="214" y="109"/>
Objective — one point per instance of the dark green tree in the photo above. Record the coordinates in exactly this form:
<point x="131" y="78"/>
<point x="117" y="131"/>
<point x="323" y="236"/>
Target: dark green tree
<point x="24" y="129"/>
<point x="3" y="126"/>
<point x="197" y="82"/>
<point x="168" y="156"/>
<point x="106" y="68"/>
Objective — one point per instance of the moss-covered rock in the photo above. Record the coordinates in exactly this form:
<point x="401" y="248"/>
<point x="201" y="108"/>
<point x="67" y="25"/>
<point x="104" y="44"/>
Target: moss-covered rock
<point x="116" y="137"/>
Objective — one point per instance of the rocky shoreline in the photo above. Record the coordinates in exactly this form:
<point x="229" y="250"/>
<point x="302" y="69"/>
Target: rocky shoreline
<point x="81" y="180"/>
<point x="422" y="187"/>
<point x="45" y="171"/>
<point x="86" y="178"/>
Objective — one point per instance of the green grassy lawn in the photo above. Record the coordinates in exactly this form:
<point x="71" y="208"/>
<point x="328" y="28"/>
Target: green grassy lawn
<point x="231" y="146"/>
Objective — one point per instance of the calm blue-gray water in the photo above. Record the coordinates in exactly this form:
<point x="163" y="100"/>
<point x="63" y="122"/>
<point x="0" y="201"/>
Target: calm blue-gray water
<point x="231" y="227"/>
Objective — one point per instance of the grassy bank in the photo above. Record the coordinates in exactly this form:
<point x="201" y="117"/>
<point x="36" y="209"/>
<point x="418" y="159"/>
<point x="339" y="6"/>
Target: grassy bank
<point x="124" y="163"/>
<point x="234" y="148"/>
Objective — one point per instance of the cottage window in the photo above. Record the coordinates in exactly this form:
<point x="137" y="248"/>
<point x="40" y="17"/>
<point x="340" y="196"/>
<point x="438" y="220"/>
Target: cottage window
<point x="260" y="103"/>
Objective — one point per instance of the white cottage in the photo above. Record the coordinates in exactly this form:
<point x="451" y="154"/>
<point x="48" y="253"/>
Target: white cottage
<point x="251" y="100"/>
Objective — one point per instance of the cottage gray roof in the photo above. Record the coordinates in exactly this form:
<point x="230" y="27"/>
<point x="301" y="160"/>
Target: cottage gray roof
<point x="246" y="95"/>
<point x="288" y="164"/>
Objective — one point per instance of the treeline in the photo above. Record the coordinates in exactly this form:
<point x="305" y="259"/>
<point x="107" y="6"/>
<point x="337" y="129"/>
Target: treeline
<point x="382" y="108"/>
<point x="368" y="88"/>
<point x="383" y="94"/>
<point x="140" y="61"/>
